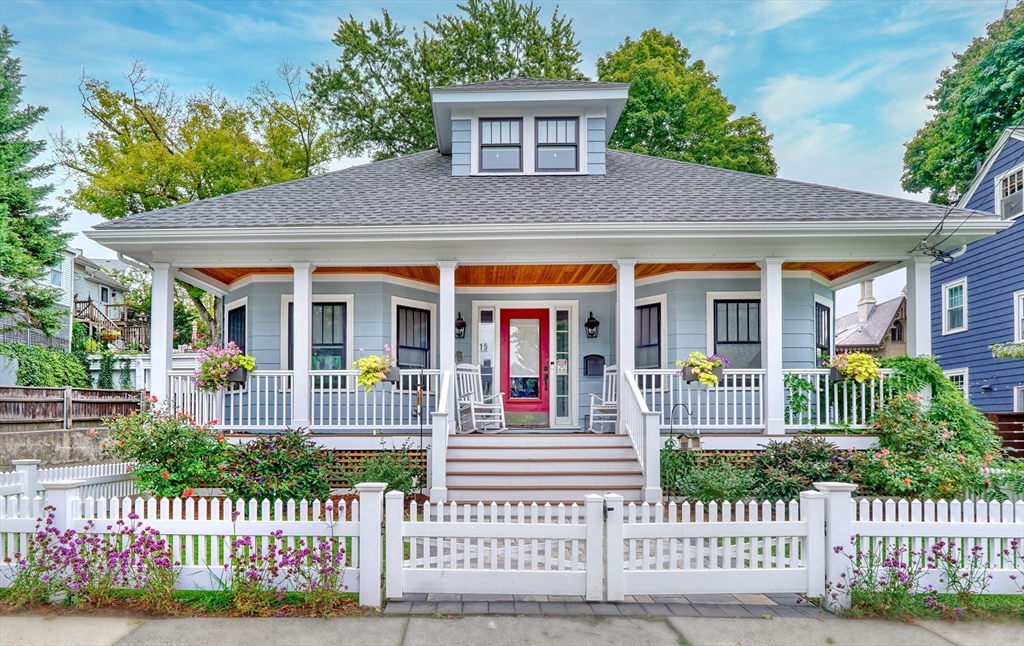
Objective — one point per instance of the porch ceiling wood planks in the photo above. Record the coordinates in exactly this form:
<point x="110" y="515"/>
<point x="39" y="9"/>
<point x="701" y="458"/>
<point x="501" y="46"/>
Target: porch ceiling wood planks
<point x="537" y="275"/>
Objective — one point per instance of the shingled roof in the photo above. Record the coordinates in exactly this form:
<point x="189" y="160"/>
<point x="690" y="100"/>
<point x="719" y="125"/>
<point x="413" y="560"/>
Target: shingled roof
<point x="871" y="334"/>
<point x="419" y="189"/>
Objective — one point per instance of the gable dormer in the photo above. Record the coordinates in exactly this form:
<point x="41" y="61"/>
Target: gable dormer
<point x="527" y="126"/>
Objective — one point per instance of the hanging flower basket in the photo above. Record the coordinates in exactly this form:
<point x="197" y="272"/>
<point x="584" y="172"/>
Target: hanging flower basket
<point x="707" y="370"/>
<point x="689" y="376"/>
<point x="858" y="366"/>
<point x="836" y="376"/>
<point x="238" y="376"/>
<point x="110" y="335"/>
<point x="219" y="367"/>
<point x="376" y="368"/>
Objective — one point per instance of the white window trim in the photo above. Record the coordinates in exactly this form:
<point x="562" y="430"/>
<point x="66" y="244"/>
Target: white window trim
<point x="710" y="311"/>
<point x="961" y="372"/>
<point x="662" y="300"/>
<point x="234" y="305"/>
<point x="830" y="304"/>
<point x="59" y="272"/>
<point x="1018" y="399"/>
<point x="349" y="301"/>
<point x="529" y="137"/>
<point x="1018" y="315"/>
<point x="108" y="300"/>
<point x="997" y="189"/>
<point x="396" y="302"/>
<point x="945" y="306"/>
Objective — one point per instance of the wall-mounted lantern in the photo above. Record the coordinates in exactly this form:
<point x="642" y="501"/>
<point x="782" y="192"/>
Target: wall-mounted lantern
<point x="460" y="327"/>
<point x="591" y="326"/>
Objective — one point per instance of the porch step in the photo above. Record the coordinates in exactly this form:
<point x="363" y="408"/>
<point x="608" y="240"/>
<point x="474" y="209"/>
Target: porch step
<point x="529" y="467"/>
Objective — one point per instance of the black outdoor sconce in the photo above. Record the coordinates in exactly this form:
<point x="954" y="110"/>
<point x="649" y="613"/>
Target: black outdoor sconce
<point x="591" y="326"/>
<point x="460" y="327"/>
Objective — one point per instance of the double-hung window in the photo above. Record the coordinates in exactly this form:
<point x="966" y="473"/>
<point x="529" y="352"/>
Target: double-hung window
<point x="328" y="340"/>
<point x="557" y="147"/>
<point x="959" y="377"/>
<point x="236" y="326"/>
<point x="56" y="276"/>
<point x="413" y="340"/>
<point x="737" y="329"/>
<point x="647" y="331"/>
<point x="822" y="329"/>
<point x="501" y="145"/>
<point x="1010" y="193"/>
<point x="104" y="294"/>
<point x="1018" y="316"/>
<point x="954" y="306"/>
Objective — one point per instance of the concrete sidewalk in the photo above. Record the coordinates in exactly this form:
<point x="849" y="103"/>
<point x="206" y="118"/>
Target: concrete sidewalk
<point x="24" y="630"/>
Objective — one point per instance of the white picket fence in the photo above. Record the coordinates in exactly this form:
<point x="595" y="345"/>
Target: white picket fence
<point x="200" y="531"/>
<point x="100" y="480"/>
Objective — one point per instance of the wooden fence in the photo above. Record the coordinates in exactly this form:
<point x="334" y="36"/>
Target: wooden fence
<point x="28" y="408"/>
<point x="1010" y="427"/>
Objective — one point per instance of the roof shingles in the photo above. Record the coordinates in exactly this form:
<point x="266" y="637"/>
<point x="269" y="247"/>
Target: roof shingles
<point x="419" y="189"/>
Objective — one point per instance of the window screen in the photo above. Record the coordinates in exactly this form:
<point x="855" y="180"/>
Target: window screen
<point x="413" y="337"/>
<point x="236" y="327"/>
<point x="738" y="332"/>
<point x="647" y="332"/>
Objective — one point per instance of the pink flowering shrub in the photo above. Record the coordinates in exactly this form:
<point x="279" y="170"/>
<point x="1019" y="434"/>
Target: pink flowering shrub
<point x="215" y="363"/>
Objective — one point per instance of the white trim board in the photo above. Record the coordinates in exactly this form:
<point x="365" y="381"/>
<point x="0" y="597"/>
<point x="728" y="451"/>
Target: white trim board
<point x="234" y="305"/>
<point x="945" y="306"/>
<point x="660" y="299"/>
<point x="1018" y="316"/>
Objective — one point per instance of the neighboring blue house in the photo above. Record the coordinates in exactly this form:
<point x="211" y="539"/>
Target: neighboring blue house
<point x="978" y="299"/>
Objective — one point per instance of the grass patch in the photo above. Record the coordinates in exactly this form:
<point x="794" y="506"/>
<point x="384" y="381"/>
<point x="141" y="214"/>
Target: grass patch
<point x="986" y="607"/>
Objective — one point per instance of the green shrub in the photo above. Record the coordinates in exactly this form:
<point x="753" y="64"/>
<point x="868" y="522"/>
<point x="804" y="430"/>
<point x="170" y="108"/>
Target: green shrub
<point x="784" y="469"/>
<point x="718" y="479"/>
<point x="395" y="467"/>
<point x="170" y="454"/>
<point x="46" y="367"/>
<point x="105" y="380"/>
<point x="124" y="375"/>
<point x="284" y="465"/>
<point x="676" y="467"/>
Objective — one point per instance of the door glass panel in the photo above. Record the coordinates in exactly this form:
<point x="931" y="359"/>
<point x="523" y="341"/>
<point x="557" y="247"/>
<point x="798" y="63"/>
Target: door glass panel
<point x="562" y="367"/>
<point x="524" y="358"/>
<point x="485" y="349"/>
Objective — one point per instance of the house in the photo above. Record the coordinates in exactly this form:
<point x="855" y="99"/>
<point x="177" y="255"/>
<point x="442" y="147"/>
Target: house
<point x="978" y="297"/>
<point x="59" y="276"/>
<point x="879" y="329"/>
<point x="524" y="246"/>
<point x="99" y="303"/>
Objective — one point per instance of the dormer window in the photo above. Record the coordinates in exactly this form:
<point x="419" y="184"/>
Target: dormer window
<point x="501" y="145"/>
<point x="557" y="147"/>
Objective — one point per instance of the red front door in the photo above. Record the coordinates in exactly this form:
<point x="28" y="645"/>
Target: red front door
<point x="525" y="369"/>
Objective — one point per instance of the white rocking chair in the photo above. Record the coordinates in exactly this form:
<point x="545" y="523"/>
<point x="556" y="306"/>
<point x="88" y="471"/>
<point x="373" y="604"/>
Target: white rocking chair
<point x="604" y="410"/>
<point x="477" y="413"/>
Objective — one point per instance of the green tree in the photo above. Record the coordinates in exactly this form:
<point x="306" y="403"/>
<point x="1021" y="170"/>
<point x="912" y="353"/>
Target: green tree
<point x="30" y="237"/>
<point x="974" y="100"/>
<point x="150" y="149"/>
<point x="676" y="110"/>
<point x="377" y="93"/>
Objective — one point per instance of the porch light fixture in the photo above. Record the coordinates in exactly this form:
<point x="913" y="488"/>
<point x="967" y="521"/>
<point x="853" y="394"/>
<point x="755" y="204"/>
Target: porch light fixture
<point x="460" y="327"/>
<point x="591" y="326"/>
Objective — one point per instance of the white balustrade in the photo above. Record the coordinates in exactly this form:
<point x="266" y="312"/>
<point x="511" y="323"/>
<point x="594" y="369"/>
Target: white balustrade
<point x="815" y="400"/>
<point x="183" y="396"/>
<point x="736" y="403"/>
<point x="263" y="403"/>
<point x="644" y="429"/>
<point x="339" y="403"/>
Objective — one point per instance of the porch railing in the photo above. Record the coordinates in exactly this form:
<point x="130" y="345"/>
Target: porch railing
<point x="814" y="400"/>
<point x="339" y="402"/>
<point x="642" y="426"/>
<point x="737" y="403"/>
<point x="262" y="403"/>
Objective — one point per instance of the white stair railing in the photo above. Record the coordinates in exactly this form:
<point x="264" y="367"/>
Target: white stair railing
<point x="643" y="427"/>
<point x="439" y="442"/>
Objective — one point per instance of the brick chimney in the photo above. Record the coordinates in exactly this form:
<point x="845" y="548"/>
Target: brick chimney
<point x="867" y="300"/>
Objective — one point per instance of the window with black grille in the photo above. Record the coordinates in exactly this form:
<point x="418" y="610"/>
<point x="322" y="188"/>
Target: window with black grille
<point x="647" y="332"/>
<point x="328" y="339"/>
<point x="822" y="328"/>
<point x="236" y="327"/>
<point x="738" y="332"/>
<point x="413" y="342"/>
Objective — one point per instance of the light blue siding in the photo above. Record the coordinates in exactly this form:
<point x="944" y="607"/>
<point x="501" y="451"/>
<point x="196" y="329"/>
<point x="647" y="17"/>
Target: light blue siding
<point x="994" y="268"/>
<point x="461" y="146"/>
<point x="596" y="145"/>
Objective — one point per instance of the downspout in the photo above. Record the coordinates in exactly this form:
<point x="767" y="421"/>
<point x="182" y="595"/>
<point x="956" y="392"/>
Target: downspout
<point x="131" y="262"/>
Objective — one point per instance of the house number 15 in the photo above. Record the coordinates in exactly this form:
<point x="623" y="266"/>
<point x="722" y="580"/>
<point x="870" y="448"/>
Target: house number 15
<point x="483" y="347"/>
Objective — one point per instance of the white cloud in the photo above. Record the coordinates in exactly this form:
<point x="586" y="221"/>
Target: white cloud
<point x="773" y="14"/>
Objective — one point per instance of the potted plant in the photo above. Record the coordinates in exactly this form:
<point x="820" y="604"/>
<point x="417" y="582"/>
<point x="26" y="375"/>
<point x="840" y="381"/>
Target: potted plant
<point x="220" y="366"/>
<point x="859" y="366"/>
<point x="699" y="367"/>
<point x="376" y="368"/>
<point x="110" y="335"/>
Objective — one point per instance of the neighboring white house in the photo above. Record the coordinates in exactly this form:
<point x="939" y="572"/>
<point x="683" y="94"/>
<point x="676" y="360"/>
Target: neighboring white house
<point x="497" y="249"/>
<point x="62" y="277"/>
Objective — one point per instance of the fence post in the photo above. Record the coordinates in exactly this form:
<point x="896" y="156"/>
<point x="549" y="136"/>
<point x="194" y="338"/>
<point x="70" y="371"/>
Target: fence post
<point x="812" y="512"/>
<point x="594" y="557"/>
<point x="29" y="476"/>
<point x="59" y="495"/>
<point x="68" y="397"/>
<point x="837" y="534"/>
<point x="393" y="543"/>
<point x="371" y="503"/>
<point x="613" y="568"/>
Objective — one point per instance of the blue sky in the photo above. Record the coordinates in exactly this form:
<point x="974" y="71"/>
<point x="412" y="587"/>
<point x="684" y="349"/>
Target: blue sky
<point x="841" y="85"/>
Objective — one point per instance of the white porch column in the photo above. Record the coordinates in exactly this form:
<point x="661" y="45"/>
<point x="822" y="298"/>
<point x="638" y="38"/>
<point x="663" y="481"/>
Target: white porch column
<point x="919" y="306"/>
<point x="161" y="330"/>
<point x="446" y="330"/>
<point x="773" y="391"/>
<point x="625" y="323"/>
<point x="302" y="290"/>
